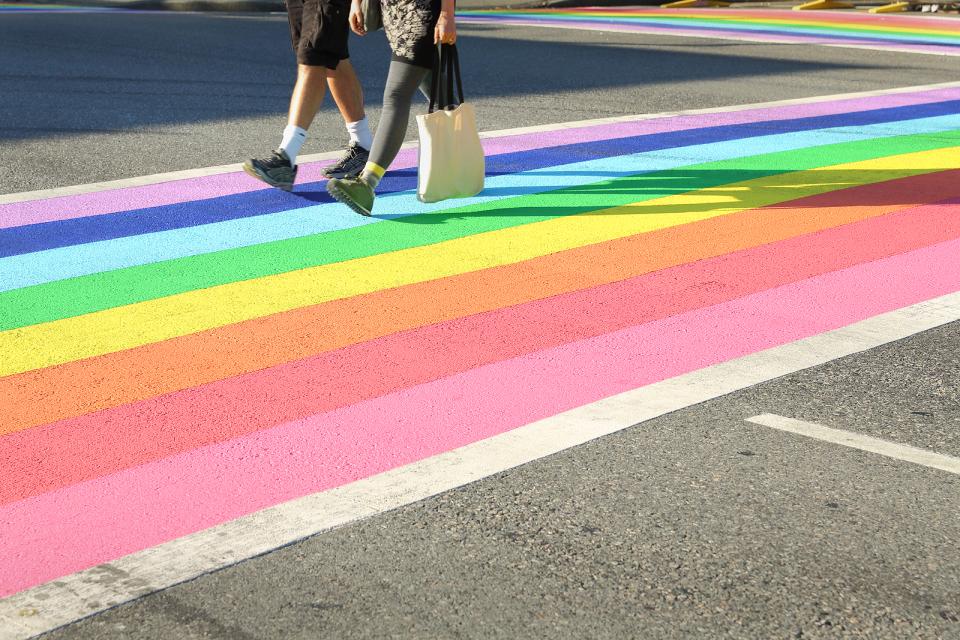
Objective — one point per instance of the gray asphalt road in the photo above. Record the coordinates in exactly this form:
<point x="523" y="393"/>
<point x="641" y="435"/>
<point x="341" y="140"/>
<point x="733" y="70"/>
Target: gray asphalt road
<point x="696" y="524"/>
<point x="125" y="95"/>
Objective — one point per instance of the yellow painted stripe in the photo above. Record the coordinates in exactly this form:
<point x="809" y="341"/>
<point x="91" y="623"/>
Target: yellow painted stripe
<point x="42" y="345"/>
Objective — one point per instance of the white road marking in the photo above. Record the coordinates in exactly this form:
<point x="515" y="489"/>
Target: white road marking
<point x="859" y="441"/>
<point x="140" y="181"/>
<point x="158" y="178"/>
<point x="71" y="598"/>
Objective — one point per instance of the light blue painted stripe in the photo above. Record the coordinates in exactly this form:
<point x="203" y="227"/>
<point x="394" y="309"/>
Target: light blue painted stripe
<point x="95" y="257"/>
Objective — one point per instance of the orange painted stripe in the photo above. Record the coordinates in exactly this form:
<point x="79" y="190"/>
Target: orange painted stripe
<point x="46" y="395"/>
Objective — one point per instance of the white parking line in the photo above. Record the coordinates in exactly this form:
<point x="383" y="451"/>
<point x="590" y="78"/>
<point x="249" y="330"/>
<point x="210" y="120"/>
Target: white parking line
<point x="73" y="597"/>
<point x="859" y="441"/>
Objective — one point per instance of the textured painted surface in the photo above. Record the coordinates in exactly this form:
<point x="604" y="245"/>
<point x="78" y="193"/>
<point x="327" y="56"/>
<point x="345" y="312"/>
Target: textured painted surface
<point x="916" y="34"/>
<point x="198" y="350"/>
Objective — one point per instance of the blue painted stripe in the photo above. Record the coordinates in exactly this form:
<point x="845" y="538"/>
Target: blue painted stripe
<point x="66" y="262"/>
<point x="61" y="233"/>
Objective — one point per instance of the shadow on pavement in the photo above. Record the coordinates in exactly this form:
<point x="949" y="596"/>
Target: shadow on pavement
<point x="115" y="73"/>
<point x="715" y="191"/>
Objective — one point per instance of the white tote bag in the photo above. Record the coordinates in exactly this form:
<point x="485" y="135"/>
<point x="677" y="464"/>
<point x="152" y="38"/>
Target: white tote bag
<point x="451" y="158"/>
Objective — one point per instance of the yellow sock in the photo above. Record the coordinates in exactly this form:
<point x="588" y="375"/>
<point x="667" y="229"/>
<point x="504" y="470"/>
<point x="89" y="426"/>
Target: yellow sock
<point x="372" y="173"/>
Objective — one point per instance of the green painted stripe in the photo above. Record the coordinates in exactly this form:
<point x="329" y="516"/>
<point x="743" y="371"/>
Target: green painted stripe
<point x="86" y="294"/>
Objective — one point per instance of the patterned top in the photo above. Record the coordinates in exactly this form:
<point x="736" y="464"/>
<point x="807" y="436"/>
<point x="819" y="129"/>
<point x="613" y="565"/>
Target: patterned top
<point x="409" y="26"/>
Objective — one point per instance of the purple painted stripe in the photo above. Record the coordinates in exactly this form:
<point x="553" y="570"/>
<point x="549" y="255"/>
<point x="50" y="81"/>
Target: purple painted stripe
<point x="78" y="206"/>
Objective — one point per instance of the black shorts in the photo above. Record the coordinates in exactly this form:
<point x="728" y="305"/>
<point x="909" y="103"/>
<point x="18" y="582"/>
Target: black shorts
<point x="319" y="30"/>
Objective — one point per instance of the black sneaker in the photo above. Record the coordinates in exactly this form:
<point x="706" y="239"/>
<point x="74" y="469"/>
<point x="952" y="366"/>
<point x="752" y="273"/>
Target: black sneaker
<point x="350" y="165"/>
<point x="277" y="170"/>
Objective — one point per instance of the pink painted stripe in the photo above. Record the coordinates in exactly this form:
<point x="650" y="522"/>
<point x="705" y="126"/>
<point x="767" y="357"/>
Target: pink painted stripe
<point x="56" y="455"/>
<point x="733" y="34"/>
<point x="68" y="207"/>
<point x="58" y="533"/>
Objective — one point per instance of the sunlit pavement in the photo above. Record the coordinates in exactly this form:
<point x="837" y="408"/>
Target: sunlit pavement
<point x="198" y="370"/>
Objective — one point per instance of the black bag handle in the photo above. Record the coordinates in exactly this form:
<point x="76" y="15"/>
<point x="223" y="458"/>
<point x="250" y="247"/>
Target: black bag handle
<point x="445" y="98"/>
<point x="455" y="72"/>
<point x="448" y="80"/>
<point x="446" y="71"/>
<point x="441" y="90"/>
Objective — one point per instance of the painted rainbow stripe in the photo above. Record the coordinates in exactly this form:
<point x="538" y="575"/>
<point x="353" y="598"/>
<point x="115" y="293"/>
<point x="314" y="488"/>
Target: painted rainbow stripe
<point x="932" y="35"/>
<point x="175" y="356"/>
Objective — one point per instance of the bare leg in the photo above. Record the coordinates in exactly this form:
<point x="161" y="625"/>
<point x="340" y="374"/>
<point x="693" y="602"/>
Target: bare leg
<point x="346" y="91"/>
<point x="307" y="95"/>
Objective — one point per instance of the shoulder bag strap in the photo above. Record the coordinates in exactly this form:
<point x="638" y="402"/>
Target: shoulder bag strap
<point x="455" y="73"/>
<point x="435" y="81"/>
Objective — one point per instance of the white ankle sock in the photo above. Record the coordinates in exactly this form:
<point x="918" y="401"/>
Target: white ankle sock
<point x="360" y="133"/>
<point x="293" y="139"/>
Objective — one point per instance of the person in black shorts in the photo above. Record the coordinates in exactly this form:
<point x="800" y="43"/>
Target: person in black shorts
<point x="319" y="31"/>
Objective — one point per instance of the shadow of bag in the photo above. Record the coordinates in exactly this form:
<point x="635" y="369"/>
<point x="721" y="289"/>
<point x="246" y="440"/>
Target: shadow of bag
<point x="372" y="17"/>
<point x="451" y="159"/>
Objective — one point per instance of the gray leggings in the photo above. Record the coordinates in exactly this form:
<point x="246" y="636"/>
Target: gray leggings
<point x="402" y="83"/>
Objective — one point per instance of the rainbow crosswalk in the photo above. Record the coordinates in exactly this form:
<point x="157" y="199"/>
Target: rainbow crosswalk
<point x="177" y="355"/>
<point x="935" y="35"/>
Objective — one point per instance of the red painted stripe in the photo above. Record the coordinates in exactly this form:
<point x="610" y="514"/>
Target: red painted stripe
<point x="58" y="533"/>
<point x="63" y="453"/>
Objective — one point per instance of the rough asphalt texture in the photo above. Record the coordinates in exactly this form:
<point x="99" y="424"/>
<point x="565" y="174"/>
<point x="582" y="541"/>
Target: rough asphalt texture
<point x="696" y="524"/>
<point x="126" y="95"/>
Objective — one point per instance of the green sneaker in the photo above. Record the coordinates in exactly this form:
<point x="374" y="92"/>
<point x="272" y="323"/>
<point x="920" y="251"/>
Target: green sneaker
<point x="353" y="192"/>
